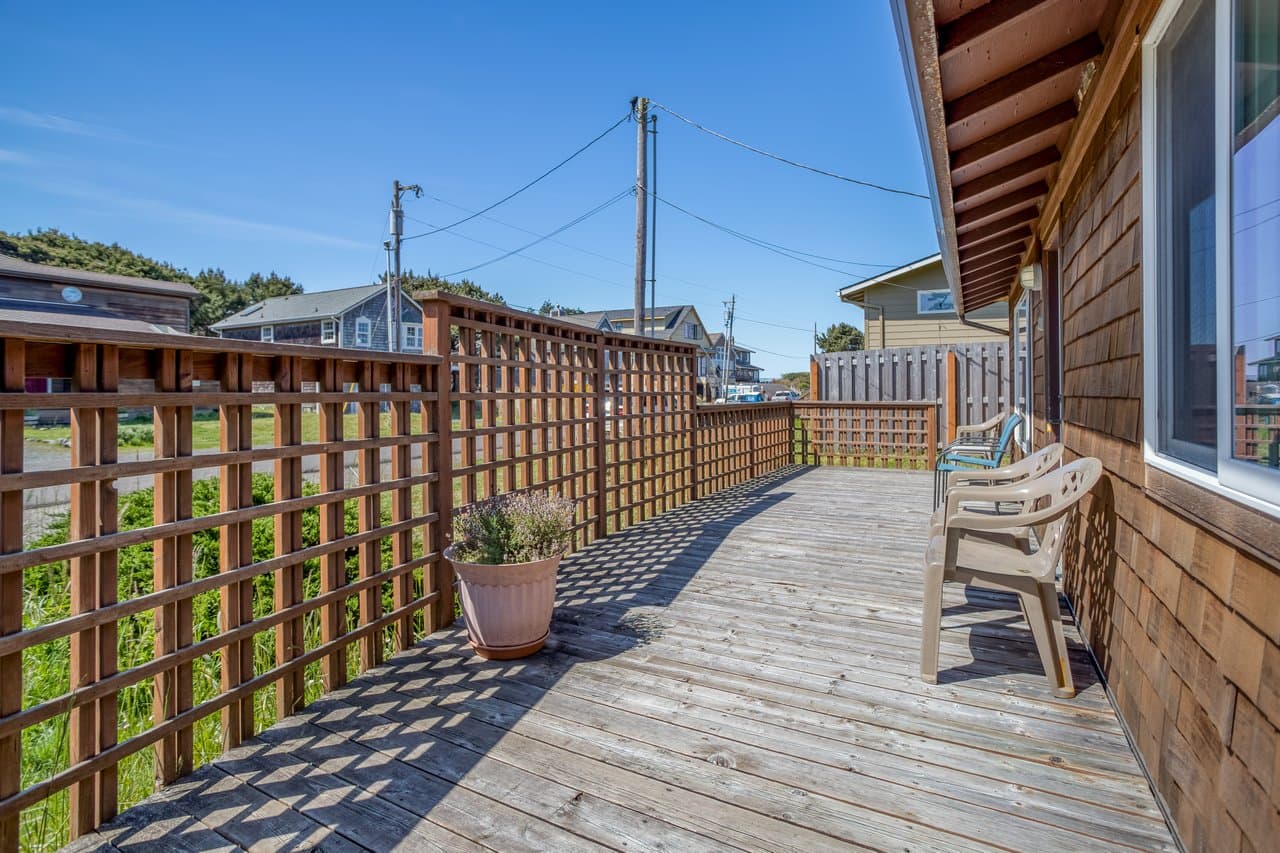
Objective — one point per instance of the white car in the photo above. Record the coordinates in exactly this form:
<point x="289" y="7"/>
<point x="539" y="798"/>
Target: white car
<point x="781" y="396"/>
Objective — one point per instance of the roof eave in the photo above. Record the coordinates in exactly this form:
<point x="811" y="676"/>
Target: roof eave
<point x="917" y="42"/>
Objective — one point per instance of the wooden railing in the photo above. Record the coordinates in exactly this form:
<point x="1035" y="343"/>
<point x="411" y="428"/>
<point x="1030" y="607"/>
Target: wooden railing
<point x="739" y="442"/>
<point x="1257" y="434"/>
<point x="172" y="618"/>
<point x="869" y="435"/>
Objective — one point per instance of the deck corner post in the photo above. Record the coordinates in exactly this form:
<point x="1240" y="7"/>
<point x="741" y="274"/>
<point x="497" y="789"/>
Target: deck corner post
<point x="437" y="338"/>
<point x="949" y="398"/>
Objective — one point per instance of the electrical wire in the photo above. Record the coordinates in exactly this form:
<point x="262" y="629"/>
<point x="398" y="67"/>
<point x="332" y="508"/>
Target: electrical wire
<point x="527" y="257"/>
<point x="575" y="221"/>
<point x="510" y="196"/>
<point x="765" y="244"/>
<point x="782" y="159"/>
<point x="774" y="325"/>
<point x="738" y="343"/>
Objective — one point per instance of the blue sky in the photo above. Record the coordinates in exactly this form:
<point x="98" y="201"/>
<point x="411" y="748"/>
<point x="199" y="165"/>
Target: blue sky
<point x="260" y="137"/>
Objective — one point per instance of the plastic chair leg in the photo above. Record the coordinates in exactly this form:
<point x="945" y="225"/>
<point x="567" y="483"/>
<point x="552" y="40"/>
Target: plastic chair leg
<point x="931" y="623"/>
<point x="1064" y="685"/>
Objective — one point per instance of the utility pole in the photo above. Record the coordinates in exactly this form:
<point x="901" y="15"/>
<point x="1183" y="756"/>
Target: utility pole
<point x="393" y="280"/>
<point x="640" y="106"/>
<point x="727" y="359"/>
<point x="653" y="230"/>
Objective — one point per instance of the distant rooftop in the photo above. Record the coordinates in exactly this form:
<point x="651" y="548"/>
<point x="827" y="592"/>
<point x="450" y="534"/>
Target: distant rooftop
<point x="300" y="306"/>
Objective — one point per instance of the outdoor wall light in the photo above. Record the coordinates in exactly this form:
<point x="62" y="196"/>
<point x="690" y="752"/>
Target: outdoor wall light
<point x="1031" y="276"/>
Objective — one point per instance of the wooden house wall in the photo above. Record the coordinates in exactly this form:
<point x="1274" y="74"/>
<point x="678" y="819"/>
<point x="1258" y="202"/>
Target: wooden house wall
<point x="157" y="308"/>
<point x="904" y="326"/>
<point x="1181" y="608"/>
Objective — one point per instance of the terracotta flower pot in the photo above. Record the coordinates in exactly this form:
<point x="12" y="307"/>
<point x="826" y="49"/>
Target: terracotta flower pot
<point x="507" y="607"/>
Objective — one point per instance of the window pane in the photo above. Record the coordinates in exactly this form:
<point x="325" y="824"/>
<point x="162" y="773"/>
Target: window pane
<point x="1255" y="229"/>
<point x="1185" y="175"/>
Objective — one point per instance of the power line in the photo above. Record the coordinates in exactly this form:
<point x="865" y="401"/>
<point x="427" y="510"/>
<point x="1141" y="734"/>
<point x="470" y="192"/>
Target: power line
<point x="526" y="257"/>
<point x="767" y="351"/>
<point x="765" y="244"/>
<point x="782" y="159"/>
<point x="575" y="221"/>
<point x="508" y="198"/>
<point x="774" y="325"/>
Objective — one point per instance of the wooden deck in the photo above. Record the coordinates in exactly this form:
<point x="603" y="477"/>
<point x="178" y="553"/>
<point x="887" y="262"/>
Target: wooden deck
<point x="739" y="673"/>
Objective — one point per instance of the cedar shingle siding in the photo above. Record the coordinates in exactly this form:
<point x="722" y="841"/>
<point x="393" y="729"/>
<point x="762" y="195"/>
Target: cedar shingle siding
<point x="1183" y="621"/>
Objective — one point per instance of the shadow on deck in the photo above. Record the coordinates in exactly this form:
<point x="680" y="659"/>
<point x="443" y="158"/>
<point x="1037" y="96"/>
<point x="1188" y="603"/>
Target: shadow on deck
<point x="738" y="673"/>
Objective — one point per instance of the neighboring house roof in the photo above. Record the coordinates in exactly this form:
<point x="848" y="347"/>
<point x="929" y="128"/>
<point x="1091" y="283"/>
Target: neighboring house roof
<point x="717" y="340"/>
<point x="846" y="293"/>
<point x="18" y="268"/>
<point x="87" y="317"/>
<point x="668" y="316"/>
<point x="301" y="306"/>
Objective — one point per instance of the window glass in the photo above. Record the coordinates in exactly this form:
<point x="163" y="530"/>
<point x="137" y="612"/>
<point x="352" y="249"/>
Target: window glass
<point x="268" y="334"/>
<point x="934" y="302"/>
<point x="1255" y="232"/>
<point x="1022" y="362"/>
<point x="362" y="332"/>
<point x="1185" y="204"/>
<point x="328" y="331"/>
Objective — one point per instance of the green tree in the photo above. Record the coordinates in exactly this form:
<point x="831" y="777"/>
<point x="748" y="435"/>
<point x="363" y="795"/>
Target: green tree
<point x="548" y="306"/>
<point x="799" y="380"/>
<point x="412" y="282"/>
<point x="841" y="337"/>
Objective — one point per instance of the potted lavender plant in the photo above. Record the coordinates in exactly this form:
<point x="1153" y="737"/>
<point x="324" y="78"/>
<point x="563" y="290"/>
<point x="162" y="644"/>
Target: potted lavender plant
<point x="505" y="552"/>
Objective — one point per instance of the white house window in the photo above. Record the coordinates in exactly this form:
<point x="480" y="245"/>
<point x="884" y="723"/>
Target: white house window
<point x="1212" y="193"/>
<point x="364" y="332"/>
<point x="268" y="335"/>
<point x="411" y="337"/>
<point x="934" y="302"/>
<point x="691" y="331"/>
<point x="328" y="331"/>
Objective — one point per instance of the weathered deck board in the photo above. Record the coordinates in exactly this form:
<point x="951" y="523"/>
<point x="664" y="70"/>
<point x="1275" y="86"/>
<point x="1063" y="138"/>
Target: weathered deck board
<point x="737" y="674"/>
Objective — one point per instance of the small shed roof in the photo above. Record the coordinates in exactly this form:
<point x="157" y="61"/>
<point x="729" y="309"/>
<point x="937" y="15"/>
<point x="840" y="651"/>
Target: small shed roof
<point x="18" y="268"/>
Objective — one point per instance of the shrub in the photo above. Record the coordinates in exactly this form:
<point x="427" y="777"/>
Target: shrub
<point x="515" y="528"/>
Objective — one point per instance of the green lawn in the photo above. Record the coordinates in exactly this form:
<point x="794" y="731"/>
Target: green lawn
<point x="205" y="430"/>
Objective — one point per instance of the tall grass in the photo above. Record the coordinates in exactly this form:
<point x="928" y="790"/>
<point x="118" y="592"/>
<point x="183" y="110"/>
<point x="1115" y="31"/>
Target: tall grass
<point x="46" y="668"/>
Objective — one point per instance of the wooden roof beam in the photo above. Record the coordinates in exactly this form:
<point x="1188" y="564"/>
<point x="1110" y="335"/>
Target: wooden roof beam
<point x="1030" y="165"/>
<point x="1008" y="223"/>
<point x="980" y="22"/>
<point x="1022" y="132"/>
<point x="1037" y="71"/>
<point x="981" y="248"/>
<point x="991" y="293"/>
<point x="1003" y="275"/>
<point x="991" y="263"/>
<point x="982" y="213"/>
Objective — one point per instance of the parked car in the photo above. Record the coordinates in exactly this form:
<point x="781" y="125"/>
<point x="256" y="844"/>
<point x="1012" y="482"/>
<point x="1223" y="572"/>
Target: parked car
<point x="785" y="395"/>
<point x="1269" y="394"/>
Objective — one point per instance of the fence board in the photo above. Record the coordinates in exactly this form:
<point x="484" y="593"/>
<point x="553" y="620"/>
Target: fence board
<point x="906" y="374"/>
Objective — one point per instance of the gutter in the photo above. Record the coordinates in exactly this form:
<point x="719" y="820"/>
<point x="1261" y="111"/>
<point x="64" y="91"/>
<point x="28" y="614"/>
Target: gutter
<point x="918" y="43"/>
<point x="983" y="326"/>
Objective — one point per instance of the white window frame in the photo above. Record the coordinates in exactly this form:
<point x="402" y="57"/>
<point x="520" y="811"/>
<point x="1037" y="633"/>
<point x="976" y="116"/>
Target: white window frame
<point x="330" y="331"/>
<point x="1023" y="382"/>
<point x="364" y="329"/>
<point x="1244" y="483"/>
<point x="267" y="334"/>
<point x="405" y="343"/>
<point x="920" y="309"/>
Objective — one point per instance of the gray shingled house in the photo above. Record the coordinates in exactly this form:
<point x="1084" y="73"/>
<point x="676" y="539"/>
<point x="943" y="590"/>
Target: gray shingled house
<point x="352" y="317"/>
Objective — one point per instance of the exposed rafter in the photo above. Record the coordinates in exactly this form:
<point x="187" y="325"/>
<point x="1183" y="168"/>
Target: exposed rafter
<point x="1024" y="131"/>
<point x="999" y="226"/>
<point x="983" y="212"/>
<point x="980" y="22"/>
<point x="1062" y="61"/>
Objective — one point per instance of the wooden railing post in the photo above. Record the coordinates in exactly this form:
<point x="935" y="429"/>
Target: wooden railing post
<point x="949" y="399"/>
<point x="291" y="690"/>
<point x="108" y="583"/>
<point x="436" y="338"/>
<point x="401" y="507"/>
<point x="931" y="437"/>
<point x="173" y="563"/>
<point x="13" y="378"/>
<point x="235" y="545"/>
<point x="601" y="428"/>
<point x="333" y="566"/>
<point x="370" y="518"/>
<point x="82" y="721"/>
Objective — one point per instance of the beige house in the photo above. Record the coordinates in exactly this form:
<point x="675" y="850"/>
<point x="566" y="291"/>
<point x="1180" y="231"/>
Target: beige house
<point x="911" y="306"/>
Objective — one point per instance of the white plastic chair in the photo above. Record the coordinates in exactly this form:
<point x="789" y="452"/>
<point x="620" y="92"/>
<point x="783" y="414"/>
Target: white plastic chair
<point x="1025" y="468"/>
<point x="999" y="551"/>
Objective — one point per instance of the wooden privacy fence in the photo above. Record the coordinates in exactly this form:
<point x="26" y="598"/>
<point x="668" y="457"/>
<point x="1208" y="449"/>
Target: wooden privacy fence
<point x="233" y="601"/>
<point x="869" y="435"/>
<point x="968" y="381"/>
